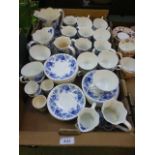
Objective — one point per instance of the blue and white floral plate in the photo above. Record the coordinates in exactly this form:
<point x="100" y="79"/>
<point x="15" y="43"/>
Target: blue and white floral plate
<point x="65" y="101"/>
<point x="61" y="68"/>
<point x="92" y="95"/>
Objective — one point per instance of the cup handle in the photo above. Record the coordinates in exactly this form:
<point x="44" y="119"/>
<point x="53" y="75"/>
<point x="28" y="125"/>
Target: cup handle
<point x="31" y="43"/>
<point x="127" y="124"/>
<point x="62" y="12"/>
<point x="72" y="50"/>
<point x="94" y="51"/>
<point x="93" y="105"/>
<point x="79" y="73"/>
<point x="22" y="80"/>
<point x="119" y="55"/>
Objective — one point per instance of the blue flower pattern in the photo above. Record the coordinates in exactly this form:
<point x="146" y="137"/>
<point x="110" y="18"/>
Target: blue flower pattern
<point x="61" y="58"/>
<point x="88" y="80"/>
<point x="58" y="111"/>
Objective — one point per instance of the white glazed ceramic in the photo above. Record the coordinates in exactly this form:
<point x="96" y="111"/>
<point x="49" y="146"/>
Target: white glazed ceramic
<point x="39" y="102"/>
<point x="49" y="15"/>
<point x="85" y="32"/>
<point x="100" y="23"/>
<point x="61" y="68"/>
<point x="115" y="113"/>
<point x="32" y="71"/>
<point x="100" y="45"/>
<point x="84" y="22"/>
<point x="108" y="60"/>
<point x="43" y="36"/>
<point x="127" y="46"/>
<point x="87" y="61"/>
<point x="106" y="80"/>
<point x="122" y="36"/>
<point x="101" y="34"/>
<point x="39" y="52"/>
<point x="63" y="44"/>
<point x="70" y="20"/>
<point x="68" y="31"/>
<point x="127" y="64"/>
<point x="93" y="94"/>
<point x="47" y="85"/>
<point x="88" y="119"/>
<point x="82" y="44"/>
<point x="32" y="89"/>
<point x="65" y="101"/>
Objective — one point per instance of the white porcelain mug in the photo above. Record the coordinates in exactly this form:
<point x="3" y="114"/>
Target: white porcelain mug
<point x="32" y="71"/>
<point x="70" y="20"/>
<point x="85" y="32"/>
<point x="63" y="44"/>
<point x="40" y="103"/>
<point x="87" y="61"/>
<point x="39" y="52"/>
<point x="46" y="86"/>
<point x="82" y="45"/>
<point x="88" y="119"/>
<point x="100" y="23"/>
<point x="84" y="22"/>
<point x="115" y="113"/>
<point x="32" y="89"/>
<point x="68" y="31"/>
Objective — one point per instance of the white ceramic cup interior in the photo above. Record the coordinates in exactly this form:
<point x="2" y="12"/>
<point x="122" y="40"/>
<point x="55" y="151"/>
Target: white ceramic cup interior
<point x="47" y="85"/>
<point x="31" y="88"/>
<point x="87" y="61"/>
<point x="123" y="35"/>
<point x="115" y="113"/>
<point x="39" y="102"/>
<point x="100" y="23"/>
<point x="88" y="119"/>
<point x="101" y="45"/>
<point x="85" y="32"/>
<point x="106" y="80"/>
<point x="68" y="31"/>
<point x="127" y="64"/>
<point x="39" y="52"/>
<point x="83" y="44"/>
<point x="127" y="45"/>
<point x="84" y="22"/>
<point x="70" y="20"/>
<point x="108" y="60"/>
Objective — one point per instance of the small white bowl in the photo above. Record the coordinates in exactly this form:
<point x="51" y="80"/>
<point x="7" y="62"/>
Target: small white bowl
<point x="39" y="52"/>
<point x="106" y="80"/>
<point x="108" y="60"/>
<point x="39" y="102"/>
<point x="87" y="61"/>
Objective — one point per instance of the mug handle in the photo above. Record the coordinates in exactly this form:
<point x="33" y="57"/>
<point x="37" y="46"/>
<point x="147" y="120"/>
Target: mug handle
<point x="72" y="50"/>
<point x="127" y="124"/>
<point x="22" y="80"/>
<point x="62" y="13"/>
<point x="31" y="43"/>
<point x="120" y="55"/>
<point x="80" y="73"/>
<point x="93" y="105"/>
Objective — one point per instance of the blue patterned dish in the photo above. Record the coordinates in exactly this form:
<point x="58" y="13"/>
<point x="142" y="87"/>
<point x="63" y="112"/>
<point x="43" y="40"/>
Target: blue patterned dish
<point x="61" y="68"/>
<point x="91" y="95"/>
<point x="65" y="101"/>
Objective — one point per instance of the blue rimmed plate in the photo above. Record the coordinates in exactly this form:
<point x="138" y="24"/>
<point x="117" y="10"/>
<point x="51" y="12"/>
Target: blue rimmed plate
<point x="92" y="95"/>
<point x="65" y="101"/>
<point x="61" y="67"/>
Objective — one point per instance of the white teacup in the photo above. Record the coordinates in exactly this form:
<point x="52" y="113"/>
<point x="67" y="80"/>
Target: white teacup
<point x="100" y="45"/>
<point x="115" y="113"/>
<point x="87" y="61"/>
<point x="84" y="22"/>
<point x="88" y="119"/>
<point x="82" y="44"/>
<point x="108" y="60"/>
<point x="47" y="85"/>
<point x="32" y="89"/>
<point x="68" y="31"/>
<point x="40" y="103"/>
<point x="85" y="32"/>
<point x="101" y="34"/>
<point x="106" y="80"/>
<point x="100" y="23"/>
<point x="32" y="71"/>
<point x="39" y="53"/>
<point x="69" y="20"/>
<point x="63" y="44"/>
